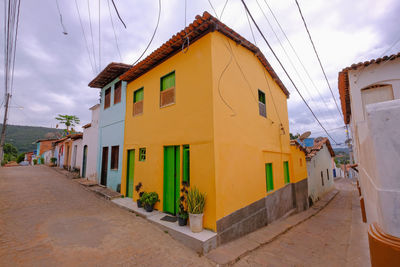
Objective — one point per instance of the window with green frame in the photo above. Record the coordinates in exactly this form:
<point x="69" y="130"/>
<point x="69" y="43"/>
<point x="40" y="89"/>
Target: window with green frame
<point x="286" y="172"/>
<point x="269" y="176"/>
<point x="138" y="101"/>
<point x="262" y="110"/>
<point x="186" y="164"/>
<point x="142" y="154"/>
<point x="167" y="89"/>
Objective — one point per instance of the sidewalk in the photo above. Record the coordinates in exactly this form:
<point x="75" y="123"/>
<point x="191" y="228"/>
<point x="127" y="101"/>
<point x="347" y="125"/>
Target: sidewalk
<point x="231" y="252"/>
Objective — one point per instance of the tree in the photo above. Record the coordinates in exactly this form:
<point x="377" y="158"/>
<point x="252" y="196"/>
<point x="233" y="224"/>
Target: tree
<point x="68" y="120"/>
<point x="10" y="149"/>
<point x="292" y="137"/>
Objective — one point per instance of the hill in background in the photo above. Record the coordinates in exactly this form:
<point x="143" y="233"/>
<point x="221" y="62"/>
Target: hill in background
<point x="23" y="136"/>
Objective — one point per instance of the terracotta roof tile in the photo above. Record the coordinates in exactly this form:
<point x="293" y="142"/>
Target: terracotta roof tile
<point x="295" y="143"/>
<point x="318" y="145"/>
<point x="109" y="73"/>
<point x="197" y="29"/>
<point x="343" y="83"/>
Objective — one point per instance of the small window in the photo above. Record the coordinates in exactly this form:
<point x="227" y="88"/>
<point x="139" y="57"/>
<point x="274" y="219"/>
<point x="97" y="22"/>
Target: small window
<point x="186" y="164"/>
<point x="138" y="101"/>
<point x="261" y="103"/>
<point x="107" y="98"/>
<point x="269" y="176"/>
<point x="327" y="173"/>
<point x="114" y="157"/>
<point x="286" y="172"/>
<point x="322" y="178"/>
<point x="117" y="93"/>
<point x="167" y="94"/>
<point x="142" y="154"/>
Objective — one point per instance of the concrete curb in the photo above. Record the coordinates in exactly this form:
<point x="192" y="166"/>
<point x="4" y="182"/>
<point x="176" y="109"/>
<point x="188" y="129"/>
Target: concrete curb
<point x="230" y="253"/>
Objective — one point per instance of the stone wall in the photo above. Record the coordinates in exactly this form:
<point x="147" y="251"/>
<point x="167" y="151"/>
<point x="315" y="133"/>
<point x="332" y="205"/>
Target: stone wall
<point x="264" y="211"/>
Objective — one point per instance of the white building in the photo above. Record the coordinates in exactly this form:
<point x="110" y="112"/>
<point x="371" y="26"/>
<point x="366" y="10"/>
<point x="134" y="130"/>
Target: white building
<point x="90" y="145"/>
<point x="76" y="155"/>
<point x="319" y="168"/>
<point x="368" y="93"/>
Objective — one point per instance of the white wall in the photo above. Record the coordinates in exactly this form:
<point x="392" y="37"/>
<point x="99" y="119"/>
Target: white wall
<point x="76" y="154"/>
<point x="47" y="155"/>
<point x="322" y="161"/>
<point x="90" y="138"/>
<point x="386" y="73"/>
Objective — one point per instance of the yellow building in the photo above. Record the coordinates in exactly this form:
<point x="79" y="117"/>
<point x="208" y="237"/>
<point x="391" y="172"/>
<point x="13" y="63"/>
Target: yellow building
<point x="213" y="112"/>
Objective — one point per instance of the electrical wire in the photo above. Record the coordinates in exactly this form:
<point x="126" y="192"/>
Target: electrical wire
<point x="84" y="37"/>
<point x="154" y="33"/>
<point x="61" y="19"/>
<point x="99" y="39"/>
<point x="115" y="35"/>
<point x="116" y="10"/>
<point x="186" y="36"/>
<point x="319" y="60"/>
<point x="295" y="69"/>
<point x="251" y="28"/>
<point x="91" y="34"/>
<point x="284" y="69"/>
<point x="215" y="12"/>
<point x="223" y="9"/>
<point x="15" y="47"/>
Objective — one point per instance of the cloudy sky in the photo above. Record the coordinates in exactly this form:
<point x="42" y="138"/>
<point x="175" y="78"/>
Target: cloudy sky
<point x="52" y="69"/>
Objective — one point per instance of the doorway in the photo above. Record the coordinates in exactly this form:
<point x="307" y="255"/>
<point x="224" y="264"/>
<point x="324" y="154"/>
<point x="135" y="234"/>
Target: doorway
<point x="104" y="166"/>
<point x="130" y="173"/>
<point x="84" y="161"/>
<point x="171" y="179"/>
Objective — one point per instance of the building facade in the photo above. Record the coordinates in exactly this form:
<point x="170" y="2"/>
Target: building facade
<point x="90" y="145"/>
<point x="111" y="124"/>
<point x="223" y="130"/>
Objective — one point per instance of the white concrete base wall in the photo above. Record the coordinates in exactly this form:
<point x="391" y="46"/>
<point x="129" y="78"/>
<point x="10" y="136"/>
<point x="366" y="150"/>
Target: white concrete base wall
<point x="382" y="177"/>
<point x="321" y="162"/>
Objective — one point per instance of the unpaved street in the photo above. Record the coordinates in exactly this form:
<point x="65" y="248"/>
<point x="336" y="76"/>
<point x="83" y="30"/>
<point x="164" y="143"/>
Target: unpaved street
<point x="47" y="219"/>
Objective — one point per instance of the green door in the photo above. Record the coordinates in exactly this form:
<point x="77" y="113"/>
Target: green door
<point x="129" y="173"/>
<point x="171" y="179"/>
<point x="286" y="172"/>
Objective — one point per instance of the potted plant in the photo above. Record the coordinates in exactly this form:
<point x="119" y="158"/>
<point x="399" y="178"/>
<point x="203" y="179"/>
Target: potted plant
<point x="149" y="200"/>
<point x="182" y="212"/>
<point x="195" y="203"/>
<point x="53" y="161"/>
<point x="137" y="189"/>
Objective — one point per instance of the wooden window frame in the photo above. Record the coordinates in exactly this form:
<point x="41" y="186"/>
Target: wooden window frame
<point x="169" y="91"/>
<point x="142" y="154"/>
<point x="114" y="158"/>
<point x="262" y="106"/>
<point x="117" y="97"/>
<point x="107" y="92"/>
<point x="138" y="105"/>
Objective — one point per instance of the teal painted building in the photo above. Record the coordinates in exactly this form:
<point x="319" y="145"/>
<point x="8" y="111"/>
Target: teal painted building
<point x="111" y="124"/>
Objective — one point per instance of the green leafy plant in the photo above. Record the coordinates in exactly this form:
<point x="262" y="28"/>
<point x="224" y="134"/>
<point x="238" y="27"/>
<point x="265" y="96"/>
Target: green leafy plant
<point x="34" y="161"/>
<point x="182" y="203"/>
<point x="53" y="160"/>
<point x="20" y="157"/>
<point x="195" y="201"/>
<point x="150" y="198"/>
<point x="42" y="160"/>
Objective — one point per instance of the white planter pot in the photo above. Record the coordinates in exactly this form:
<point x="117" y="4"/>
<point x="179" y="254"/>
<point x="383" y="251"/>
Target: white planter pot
<point x="196" y="222"/>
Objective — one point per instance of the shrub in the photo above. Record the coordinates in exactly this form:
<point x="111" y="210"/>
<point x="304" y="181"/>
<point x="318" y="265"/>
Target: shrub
<point x="149" y="198"/>
<point x="195" y="201"/>
<point x="53" y="160"/>
<point x="34" y="161"/>
<point x="20" y="157"/>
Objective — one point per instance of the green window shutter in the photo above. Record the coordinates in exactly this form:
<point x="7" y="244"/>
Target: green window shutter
<point x="186" y="164"/>
<point x="270" y="177"/>
<point x="142" y="154"/>
<point x="261" y="96"/>
<point x="286" y="172"/>
<point x="168" y="81"/>
<point x="138" y="95"/>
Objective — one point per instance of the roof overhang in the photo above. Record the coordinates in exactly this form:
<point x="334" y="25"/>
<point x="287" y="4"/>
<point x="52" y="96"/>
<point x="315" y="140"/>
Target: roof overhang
<point x="197" y="29"/>
<point x="109" y="73"/>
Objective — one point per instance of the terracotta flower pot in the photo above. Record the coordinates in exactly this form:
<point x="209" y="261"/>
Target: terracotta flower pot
<point x="196" y="222"/>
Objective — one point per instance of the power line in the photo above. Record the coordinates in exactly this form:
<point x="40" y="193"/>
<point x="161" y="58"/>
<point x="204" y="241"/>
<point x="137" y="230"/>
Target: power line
<point x="223" y="9"/>
<point x="115" y="35"/>
<point x="99" y="40"/>
<point x="91" y="34"/>
<point x="61" y="20"/>
<point x="154" y="33"/>
<point x="297" y="56"/>
<point x="84" y="37"/>
<point x="215" y="12"/>
<point x="116" y="10"/>
<point x="319" y="60"/>
<point x="287" y="74"/>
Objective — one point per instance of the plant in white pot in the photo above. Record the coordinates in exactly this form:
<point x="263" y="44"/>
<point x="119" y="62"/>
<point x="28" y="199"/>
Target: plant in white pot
<point x="195" y="205"/>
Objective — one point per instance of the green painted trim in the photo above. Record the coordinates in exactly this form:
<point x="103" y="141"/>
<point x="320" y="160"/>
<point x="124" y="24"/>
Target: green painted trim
<point x="166" y="75"/>
<point x="186" y="164"/>
<point x="269" y="176"/>
<point x="286" y="172"/>
<point x="142" y="154"/>
<point x="130" y="173"/>
<point x="261" y="96"/>
<point x="138" y="95"/>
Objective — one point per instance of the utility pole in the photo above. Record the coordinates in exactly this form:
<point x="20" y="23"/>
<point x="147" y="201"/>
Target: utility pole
<point x="3" y="130"/>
